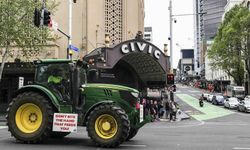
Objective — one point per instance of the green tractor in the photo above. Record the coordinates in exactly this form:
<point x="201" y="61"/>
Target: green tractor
<point x="111" y="114"/>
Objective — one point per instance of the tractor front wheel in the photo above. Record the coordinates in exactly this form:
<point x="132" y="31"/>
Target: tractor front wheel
<point x="132" y="133"/>
<point x="30" y="117"/>
<point x="108" y="125"/>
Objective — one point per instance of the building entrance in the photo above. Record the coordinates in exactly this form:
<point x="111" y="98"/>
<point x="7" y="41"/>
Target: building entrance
<point x="135" y="63"/>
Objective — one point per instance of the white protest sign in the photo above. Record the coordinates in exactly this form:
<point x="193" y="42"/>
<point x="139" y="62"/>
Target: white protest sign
<point x="64" y="122"/>
<point x="141" y="113"/>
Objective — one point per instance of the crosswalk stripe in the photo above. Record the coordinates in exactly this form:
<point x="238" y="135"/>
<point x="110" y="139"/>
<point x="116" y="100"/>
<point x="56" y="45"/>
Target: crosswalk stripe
<point x="3" y="127"/>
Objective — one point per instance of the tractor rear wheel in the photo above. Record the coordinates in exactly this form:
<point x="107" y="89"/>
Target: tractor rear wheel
<point x="108" y="125"/>
<point x="30" y="117"/>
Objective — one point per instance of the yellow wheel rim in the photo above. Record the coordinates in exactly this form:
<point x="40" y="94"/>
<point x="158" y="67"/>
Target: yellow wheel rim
<point x="106" y="126"/>
<point x="29" y="118"/>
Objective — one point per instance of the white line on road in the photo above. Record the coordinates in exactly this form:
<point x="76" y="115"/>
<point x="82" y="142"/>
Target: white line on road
<point x="131" y="145"/>
<point x="3" y="127"/>
<point x="193" y="91"/>
<point x="227" y="124"/>
<point x="198" y="123"/>
<point x="243" y="148"/>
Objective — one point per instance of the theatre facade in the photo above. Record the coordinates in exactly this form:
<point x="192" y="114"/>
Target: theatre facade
<point x="135" y="63"/>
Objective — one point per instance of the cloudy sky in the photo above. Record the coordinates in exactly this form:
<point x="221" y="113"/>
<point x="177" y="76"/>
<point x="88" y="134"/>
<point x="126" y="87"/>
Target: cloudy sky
<point x="157" y="16"/>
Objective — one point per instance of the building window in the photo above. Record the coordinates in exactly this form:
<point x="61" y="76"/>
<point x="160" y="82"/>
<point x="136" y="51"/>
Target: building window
<point x="113" y="20"/>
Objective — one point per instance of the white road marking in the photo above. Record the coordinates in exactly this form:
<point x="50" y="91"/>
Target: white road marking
<point x="243" y="148"/>
<point x="157" y="126"/>
<point x="193" y="91"/>
<point x="3" y="127"/>
<point x="227" y="124"/>
<point x="131" y="145"/>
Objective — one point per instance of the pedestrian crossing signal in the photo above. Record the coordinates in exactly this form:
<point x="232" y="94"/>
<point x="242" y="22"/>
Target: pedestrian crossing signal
<point x="170" y="79"/>
<point x="46" y="17"/>
<point x="37" y="18"/>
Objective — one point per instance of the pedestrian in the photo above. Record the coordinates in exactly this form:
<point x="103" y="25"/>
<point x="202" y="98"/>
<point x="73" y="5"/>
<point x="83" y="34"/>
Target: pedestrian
<point x="152" y="110"/>
<point x="155" y="107"/>
<point x="167" y="109"/>
<point x="173" y="110"/>
<point x="147" y="108"/>
<point x="160" y="110"/>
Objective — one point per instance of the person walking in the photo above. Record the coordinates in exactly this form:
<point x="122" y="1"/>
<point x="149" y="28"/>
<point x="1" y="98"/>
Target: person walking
<point x="167" y="109"/>
<point x="173" y="110"/>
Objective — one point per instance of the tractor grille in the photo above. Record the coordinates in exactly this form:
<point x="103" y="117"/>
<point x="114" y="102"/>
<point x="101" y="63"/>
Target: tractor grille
<point x="127" y="96"/>
<point x="108" y="92"/>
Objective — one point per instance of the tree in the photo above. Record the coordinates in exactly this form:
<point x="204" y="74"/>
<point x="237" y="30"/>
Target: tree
<point x="17" y="32"/>
<point x="230" y="49"/>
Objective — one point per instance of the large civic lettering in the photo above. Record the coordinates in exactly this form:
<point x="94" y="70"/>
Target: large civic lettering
<point x="140" y="47"/>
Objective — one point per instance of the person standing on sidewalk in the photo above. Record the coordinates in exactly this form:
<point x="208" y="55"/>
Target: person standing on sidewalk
<point x="173" y="110"/>
<point x="167" y="109"/>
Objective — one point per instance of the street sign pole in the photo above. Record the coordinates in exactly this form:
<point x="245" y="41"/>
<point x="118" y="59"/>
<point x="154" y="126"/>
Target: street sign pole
<point x="70" y="30"/>
<point x="171" y="35"/>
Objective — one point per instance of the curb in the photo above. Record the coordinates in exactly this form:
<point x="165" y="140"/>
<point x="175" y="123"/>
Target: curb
<point x="184" y="116"/>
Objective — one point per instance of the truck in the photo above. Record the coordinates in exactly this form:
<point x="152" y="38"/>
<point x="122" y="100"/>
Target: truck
<point x="235" y="91"/>
<point x="60" y="100"/>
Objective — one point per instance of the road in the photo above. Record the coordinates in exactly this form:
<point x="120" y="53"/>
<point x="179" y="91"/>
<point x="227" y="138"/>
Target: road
<point x="210" y="128"/>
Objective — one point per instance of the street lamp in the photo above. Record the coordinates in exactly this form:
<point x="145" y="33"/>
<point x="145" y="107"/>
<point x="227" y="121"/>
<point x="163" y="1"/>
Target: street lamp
<point x="171" y="30"/>
<point x="166" y="49"/>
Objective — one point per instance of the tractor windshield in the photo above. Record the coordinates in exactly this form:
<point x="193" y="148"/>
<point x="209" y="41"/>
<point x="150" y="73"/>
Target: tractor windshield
<point x="56" y="77"/>
<point x="47" y="73"/>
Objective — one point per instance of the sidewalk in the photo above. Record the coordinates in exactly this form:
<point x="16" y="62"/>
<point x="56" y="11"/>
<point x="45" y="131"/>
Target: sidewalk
<point x="181" y="116"/>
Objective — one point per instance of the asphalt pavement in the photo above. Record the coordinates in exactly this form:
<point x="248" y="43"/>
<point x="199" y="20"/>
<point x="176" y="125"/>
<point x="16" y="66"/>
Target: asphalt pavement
<point x="209" y="128"/>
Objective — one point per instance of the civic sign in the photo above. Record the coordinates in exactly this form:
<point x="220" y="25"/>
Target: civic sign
<point x="63" y="122"/>
<point x="140" y="47"/>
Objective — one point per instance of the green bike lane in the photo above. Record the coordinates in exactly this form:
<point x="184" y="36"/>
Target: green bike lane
<point x="208" y="111"/>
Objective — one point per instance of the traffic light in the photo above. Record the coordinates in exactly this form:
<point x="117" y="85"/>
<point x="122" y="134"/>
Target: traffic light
<point x="37" y="18"/>
<point x="170" y="78"/>
<point x="46" y="17"/>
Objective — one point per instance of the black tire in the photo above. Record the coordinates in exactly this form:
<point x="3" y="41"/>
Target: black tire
<point x="122" y="125"/>
<point x="34" y="100"/>
<point x="132" y="133"/>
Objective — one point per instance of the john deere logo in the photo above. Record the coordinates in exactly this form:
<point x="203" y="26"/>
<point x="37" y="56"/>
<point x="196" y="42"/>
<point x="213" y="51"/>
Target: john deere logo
<point x="140" y="47"/>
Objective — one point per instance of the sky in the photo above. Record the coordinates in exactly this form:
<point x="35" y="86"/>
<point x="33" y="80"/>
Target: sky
<point x="157" y="16"/>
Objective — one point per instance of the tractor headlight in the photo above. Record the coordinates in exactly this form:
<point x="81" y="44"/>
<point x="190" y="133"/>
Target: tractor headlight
<point x="135" y="94"/>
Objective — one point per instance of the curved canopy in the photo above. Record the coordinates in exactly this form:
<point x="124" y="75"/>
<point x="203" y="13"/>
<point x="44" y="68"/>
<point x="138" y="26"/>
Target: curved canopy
<point x="148" y="62"/>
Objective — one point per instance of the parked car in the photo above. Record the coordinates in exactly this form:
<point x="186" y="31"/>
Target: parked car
<point x="231" y="102"/>
<point x="205" y="95"/>
<point x="209" y="99"/>
<point x="244" y="106"/>
<point x="247" y="97"/>
<point x="218" y="100"/>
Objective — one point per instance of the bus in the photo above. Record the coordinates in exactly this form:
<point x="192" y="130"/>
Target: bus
<point x="236" y="91"/>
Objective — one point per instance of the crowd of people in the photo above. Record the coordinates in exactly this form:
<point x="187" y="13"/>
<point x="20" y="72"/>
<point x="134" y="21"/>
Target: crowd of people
<point x="157" y="109"/>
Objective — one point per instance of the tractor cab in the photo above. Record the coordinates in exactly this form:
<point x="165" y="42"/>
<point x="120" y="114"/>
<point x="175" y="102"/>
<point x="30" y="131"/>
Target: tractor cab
<point x="63" y="77"/>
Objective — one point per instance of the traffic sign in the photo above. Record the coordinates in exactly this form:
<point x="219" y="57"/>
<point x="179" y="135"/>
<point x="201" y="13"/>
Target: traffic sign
<point x="187" y="68"/>
<point x="73" y="48"/>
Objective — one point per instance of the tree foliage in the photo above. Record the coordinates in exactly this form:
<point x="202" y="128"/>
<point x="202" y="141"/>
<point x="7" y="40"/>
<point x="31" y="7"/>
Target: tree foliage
<point x="17" y="31"/>
<point x="230" y="50"/>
